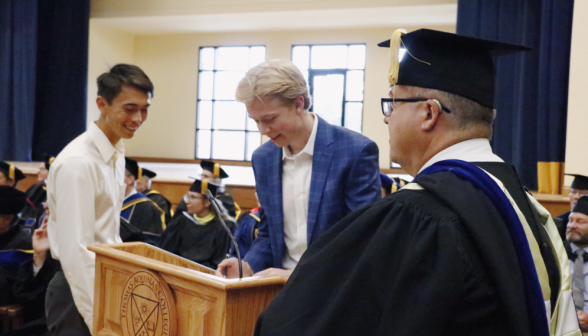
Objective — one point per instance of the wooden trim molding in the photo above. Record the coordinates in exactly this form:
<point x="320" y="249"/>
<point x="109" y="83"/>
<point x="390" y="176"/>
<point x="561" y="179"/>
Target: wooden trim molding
<point x="194" y="161"/>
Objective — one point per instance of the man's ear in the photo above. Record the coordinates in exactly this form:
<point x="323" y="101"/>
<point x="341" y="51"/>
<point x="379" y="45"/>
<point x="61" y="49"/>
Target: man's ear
<point x="299" y="103"/>
<point x="101" y="103"/>
<point x="432" y="112"/>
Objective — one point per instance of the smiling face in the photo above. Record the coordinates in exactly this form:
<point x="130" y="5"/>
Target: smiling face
<point x="122" y="118"/>
<point x="278" y="121"/>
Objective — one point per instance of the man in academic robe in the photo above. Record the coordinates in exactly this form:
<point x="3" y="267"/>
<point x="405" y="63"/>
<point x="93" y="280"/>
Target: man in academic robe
<point x="462" y="250"/>
<point x="577" y="249"/>
<point x="138" y="209"/>
<point x="144" y="186"/>
<point x="578" y="189"/>
<point x="37" y="193"/>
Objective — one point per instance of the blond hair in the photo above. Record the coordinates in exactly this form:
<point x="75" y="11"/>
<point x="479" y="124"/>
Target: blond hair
<point x="274" y="79"/>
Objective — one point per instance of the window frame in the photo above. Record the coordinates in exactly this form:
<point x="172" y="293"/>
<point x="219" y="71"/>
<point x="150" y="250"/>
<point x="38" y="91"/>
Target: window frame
<point x="212" y="129"/>
<point x="333" y="71"/>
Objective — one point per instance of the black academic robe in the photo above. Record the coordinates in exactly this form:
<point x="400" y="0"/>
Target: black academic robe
<point x="206" y="244"/>
<point x="562" y="223"/>
<point x="163" y="203"/>
<point x="16" y="239"/>
<point x="438" y="261"/>
<point x="144" y="215"/>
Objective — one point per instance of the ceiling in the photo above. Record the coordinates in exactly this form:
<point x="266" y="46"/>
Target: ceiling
<point x="283" y="18"/>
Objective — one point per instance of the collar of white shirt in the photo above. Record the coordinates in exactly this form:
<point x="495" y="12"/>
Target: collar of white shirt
<point x="309" y="148"/>
<point x="473" y="150"/>
<point x="576" y="248"/>
<point x="103" y="144"/>
<point x="134" y="191"/>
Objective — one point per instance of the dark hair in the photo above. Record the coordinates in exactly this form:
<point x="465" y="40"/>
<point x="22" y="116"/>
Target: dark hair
<point x="110" y="83"/>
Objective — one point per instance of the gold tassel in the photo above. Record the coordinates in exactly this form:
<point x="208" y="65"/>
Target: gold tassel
<point x="216" y="171"/>
<point x="11" y="172"/>
<point x="140" y="174"/>
<point x="51" y="159"/>
<point x="204" y="186"/>
<point x="393" y="69"/>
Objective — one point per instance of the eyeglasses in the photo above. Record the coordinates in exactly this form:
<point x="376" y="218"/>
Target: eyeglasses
<point x="388" y="104"/>
<point x="192" y="198"/>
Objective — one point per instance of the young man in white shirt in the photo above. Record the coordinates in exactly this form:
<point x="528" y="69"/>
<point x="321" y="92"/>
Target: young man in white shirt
<point x="85" y="194"/>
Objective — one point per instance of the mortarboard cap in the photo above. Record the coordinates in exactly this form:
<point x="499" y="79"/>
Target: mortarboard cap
<point x="12" y="200"/>
<point x="11" y="172"/>
<point x="448" y="62"/>
<point x="133" y="167"/>
<point x="48" y="161"/>
<point x="582" y="205"/>
<point x="200" y="186"/>
<point x="580" y="182"/>
<point x="214" y="168"/>
<point x="149" y="173"/>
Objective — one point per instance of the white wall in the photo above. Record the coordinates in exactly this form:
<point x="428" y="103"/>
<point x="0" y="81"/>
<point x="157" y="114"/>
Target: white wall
<point x="576" y="151"/>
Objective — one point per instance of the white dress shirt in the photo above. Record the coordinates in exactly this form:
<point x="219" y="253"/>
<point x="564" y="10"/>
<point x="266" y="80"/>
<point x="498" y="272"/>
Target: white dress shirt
<point x="85" y="192"/>
<point x="574" y="249"/>
<point x="473" y="150"/>
<point x="296" y="176"/>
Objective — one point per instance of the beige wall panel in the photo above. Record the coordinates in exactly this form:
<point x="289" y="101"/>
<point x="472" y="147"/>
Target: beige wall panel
<point x="107" y="47"/>
<point x="171" y="61"/>
<point x="576" y="153"/>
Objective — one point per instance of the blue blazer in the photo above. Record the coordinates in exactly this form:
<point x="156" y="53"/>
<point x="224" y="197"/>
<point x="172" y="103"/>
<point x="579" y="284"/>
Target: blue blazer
<point x="345" y="177"/>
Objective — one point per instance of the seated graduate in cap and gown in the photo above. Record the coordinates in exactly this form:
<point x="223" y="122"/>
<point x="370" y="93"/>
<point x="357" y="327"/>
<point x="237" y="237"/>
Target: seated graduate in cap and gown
<point x="143" y="186"/>
<point x="198" y="234"/>
<point x="247" y="230"/>
<point x="37" y="193"/>
<point x="14" y="242"/>
<point x="10" y="175"/>
<point x="578" y="189"/>
<point x="461" y="250"/>
<point x="140" y="211"/>
<point x="213" y="172"/>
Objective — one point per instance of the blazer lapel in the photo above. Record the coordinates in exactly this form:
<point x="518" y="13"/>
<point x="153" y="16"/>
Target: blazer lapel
<point x="321" y="161"/>
<point x="276" y="210"/>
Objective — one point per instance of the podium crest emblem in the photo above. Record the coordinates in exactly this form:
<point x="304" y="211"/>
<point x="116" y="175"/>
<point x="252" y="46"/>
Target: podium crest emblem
<point x="147" y="306"/>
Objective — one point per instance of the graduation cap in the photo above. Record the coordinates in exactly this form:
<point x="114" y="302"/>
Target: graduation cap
<point x="448" y="62"/>
<point x="11" y="172"/>
<point x="581" y="206"/>
<point x="133" y="167"/>
<point x="580" y="182"/>
<point x="200" y="186"/>
<point x="48" y="161"/>
<point x="214" y="168"/>
<point x="12" y="200"/>
<point x="149" y="173"/>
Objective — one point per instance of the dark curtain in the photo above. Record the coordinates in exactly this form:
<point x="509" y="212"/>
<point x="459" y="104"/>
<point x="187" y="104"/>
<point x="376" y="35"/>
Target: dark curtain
<point x="62" y="74"/>
<point x="531" y="87"/>
<point x="43" y="75"/>
<point x="18" y="47"/>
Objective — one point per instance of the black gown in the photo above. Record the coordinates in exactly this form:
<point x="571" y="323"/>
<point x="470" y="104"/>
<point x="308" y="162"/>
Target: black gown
<point x="206" y="244"/>
<point x="163" y="203"/>
<point x="145" y="216"/>
<point x="438" y="261"/>
<point x="16" y="238"/>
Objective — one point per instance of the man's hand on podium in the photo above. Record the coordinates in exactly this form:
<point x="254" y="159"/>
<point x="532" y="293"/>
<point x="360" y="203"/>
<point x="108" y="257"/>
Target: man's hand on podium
<point x="232" y="266"/>
<point x="284" y="273"/>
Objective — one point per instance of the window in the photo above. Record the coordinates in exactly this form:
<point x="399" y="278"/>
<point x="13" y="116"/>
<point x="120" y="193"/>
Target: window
<point x="223" y="130"/>
<point x="335" y="74"/>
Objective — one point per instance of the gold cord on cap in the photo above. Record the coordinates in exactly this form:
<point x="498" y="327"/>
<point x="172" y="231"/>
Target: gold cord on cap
<point x="51" y="159"/>
<point x="395" y="41"/>
<point x="11" y="172"/>
<point x="216" y="171"/>
<point x="204" y="186"/>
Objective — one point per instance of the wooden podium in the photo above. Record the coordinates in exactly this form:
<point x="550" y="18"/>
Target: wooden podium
<point x="141" y="290"/>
